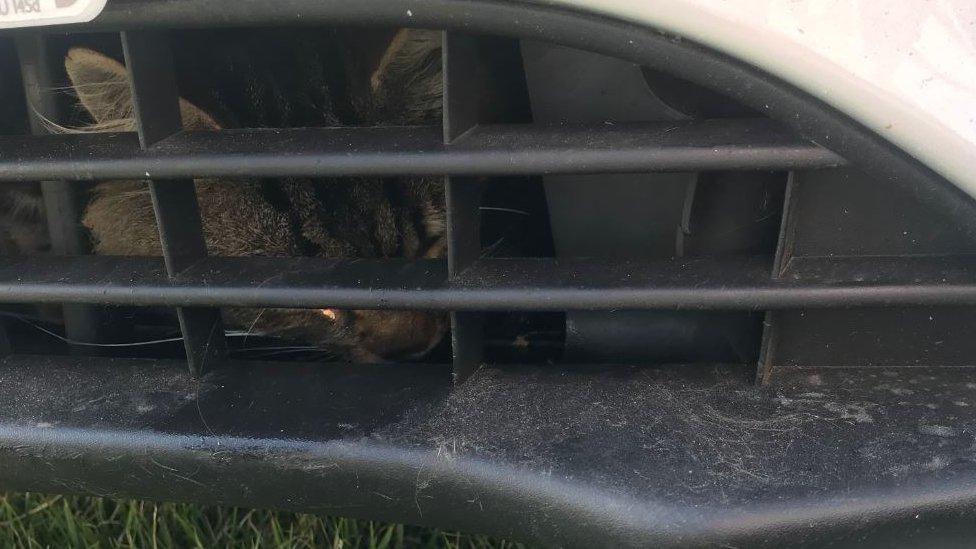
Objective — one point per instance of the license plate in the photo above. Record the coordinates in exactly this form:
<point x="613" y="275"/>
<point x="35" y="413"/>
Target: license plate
<point x="34" y="13"/>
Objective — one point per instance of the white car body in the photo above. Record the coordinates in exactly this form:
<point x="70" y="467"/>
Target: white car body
<point x="905" y="69"/>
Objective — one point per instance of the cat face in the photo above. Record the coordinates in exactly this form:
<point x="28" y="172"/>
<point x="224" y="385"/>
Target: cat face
<point x="277" y="218"/>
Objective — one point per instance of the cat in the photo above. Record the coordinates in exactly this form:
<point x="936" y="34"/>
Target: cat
<point x="23" y="223"/>
<point x="329" y="218"/>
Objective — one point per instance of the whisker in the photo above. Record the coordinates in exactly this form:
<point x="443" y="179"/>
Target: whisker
<point x="296" y="348"/>
<point x="507" y="210"/>
<point x="35" y="323"/>
<point x="85" y="343"/>
<point x="492" y="248"/>
<point x="253" y="324"/>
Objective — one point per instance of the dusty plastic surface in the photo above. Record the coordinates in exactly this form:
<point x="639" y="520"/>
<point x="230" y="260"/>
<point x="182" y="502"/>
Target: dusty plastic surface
<point x="583" y="457"/>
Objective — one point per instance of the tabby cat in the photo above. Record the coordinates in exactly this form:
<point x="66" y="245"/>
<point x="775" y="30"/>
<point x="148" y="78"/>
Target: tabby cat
<point x="323" y="84"/>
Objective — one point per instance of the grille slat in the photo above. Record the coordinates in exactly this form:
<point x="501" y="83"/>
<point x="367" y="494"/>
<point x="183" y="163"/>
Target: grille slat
<point x="462" y="106"/>
<point x="494" y="284"/>
<point x="157" y="114"/>
<point x="484" y="150"/>
<point x="63" y="200"/>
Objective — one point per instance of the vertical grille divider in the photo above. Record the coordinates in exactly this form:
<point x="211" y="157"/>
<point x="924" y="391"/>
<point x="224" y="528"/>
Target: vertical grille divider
<point x="463" y="196"/>
<point x="784" y="252"/>
<point x="157" y="111"/>
<point x="62" y="199"/>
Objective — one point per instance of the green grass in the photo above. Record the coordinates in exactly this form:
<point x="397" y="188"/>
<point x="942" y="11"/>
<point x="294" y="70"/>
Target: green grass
<point x="33" y="520"/>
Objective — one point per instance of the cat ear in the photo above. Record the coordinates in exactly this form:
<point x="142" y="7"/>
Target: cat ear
<point x="409" y="73"/>
<point x="102" y="85"/>
<point x="409" y="50"/>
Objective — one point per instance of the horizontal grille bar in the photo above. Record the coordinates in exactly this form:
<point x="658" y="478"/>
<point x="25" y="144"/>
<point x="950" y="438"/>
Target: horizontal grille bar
<point x="494" y="284"/>
<point x="485" y="150"/>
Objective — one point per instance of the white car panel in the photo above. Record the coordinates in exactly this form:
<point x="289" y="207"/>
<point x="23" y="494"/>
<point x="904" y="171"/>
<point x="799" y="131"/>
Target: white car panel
<point x="904" y="68"/>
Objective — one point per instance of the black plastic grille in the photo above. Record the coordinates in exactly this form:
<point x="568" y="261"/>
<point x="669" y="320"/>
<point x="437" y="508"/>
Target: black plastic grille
<point x="467" y="145"/>
<point x="759" y="144"/>
<point x="465" y="284"/>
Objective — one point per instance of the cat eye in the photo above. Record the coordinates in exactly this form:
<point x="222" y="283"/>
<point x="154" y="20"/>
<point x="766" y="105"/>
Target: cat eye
<point x="331" y="314"/>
